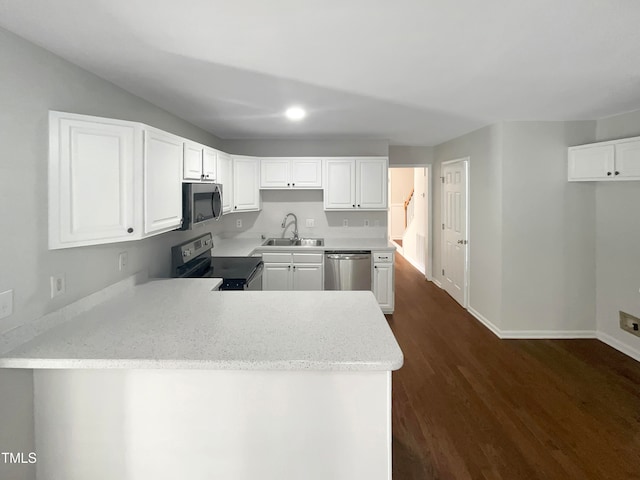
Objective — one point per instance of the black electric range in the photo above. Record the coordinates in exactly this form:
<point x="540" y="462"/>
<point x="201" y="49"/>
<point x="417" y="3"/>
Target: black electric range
<point x="193" y="259"/>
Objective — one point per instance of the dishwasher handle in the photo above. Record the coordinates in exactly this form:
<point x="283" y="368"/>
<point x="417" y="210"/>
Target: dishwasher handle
<point x="338" y="256"/>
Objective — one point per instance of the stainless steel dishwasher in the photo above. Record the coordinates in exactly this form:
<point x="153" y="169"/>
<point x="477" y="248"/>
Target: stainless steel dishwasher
<point x="347" y="270"/>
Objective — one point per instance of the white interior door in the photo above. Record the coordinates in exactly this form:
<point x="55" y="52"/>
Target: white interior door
<point x="454" y="219"/>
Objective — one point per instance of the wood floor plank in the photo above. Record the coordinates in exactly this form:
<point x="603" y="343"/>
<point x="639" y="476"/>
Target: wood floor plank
<point x="467" y="405"/>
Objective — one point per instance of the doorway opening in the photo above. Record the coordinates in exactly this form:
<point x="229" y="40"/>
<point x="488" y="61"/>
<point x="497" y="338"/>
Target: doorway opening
<point x="409" y="214"/>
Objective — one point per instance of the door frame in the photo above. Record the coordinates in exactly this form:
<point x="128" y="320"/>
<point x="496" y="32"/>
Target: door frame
<point x="428" y="268"/>
<point x="465" y="161"/>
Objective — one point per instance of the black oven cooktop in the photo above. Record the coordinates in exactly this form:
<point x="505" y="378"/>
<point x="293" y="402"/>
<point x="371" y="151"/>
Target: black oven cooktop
<point x="193" y="259"/>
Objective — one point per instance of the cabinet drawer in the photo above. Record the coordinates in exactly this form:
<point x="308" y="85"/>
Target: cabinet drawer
<point x="382" y="257"/>
<point x="307" y="257"/>
<point x="276" y="257"/>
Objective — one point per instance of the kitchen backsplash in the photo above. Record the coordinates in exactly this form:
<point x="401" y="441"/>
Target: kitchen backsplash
<point x="305" y="204"/>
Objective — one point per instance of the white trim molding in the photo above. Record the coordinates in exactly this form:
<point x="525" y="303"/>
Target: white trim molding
<point x="618" y="345"/>
<point x="481" y="318"/>
<point x="548" y="334"/>
<point x="437" y="283"/>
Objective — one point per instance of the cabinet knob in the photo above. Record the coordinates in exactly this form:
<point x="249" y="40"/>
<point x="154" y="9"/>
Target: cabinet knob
<point x="293" y="184"/>
<point x="294" y="268"/>
<point x="608" y="174"/>
<point x="617" y="173"/>
<point x="235" y="208"/>
<point x="289" y="267"/>
<point x="375" y="266"/>
<point x="358" y="205"/>
<point x="353" y="206"/>
<point x="288" y="184"/>
<point x="129" y="230"/>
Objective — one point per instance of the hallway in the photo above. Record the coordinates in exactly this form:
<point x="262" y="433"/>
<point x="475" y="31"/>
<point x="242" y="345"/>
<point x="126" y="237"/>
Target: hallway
<point x="467" y="405"/>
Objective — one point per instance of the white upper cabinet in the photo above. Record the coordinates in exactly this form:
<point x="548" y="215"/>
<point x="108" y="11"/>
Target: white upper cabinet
<point x="111" y="180"/>
<point x="209" y="164"/>
<point x="225" y="178"/>
<point x="200" y="163"/>
<point x="246" y="184"/>
<point x="163" y="155"/>
<point x="94" y="180"/>
<point x="612" y="161"/>
<point x="290" y="173"/>
<point x="355" y="183"/>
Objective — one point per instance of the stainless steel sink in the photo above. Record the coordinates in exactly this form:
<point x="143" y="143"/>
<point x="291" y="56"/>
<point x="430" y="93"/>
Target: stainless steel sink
<point x="288" y="242"/>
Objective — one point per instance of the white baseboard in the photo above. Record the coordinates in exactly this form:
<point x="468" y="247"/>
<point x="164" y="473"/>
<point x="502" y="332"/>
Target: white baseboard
<point x="550" y="334"/>
<point x="437" y="282"/>
<point x="420" y="268"/>
<point x="618" y="345"/>
<point x="485" y="322"/>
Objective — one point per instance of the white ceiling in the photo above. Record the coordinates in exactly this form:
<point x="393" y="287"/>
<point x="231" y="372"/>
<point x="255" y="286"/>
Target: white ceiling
<point x="411" y="71"/>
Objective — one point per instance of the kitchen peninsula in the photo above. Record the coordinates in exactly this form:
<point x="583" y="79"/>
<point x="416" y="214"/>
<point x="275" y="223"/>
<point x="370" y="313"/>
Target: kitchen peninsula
<point x="174" y="380"/>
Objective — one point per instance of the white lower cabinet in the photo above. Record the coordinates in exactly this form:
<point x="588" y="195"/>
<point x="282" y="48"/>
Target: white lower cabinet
<point x="111" y="180"/>
<point x="292" y="271"/>
<point x="383" y="280"/>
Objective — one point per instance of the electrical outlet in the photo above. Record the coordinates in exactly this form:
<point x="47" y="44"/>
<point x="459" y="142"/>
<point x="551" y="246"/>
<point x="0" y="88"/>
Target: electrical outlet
<point x="123" y="259"/>
<point x="345" y="222"/>
<point x="629" y="323"/>
<point x="366" y="222"/>
<point x="58" y="285"/>
<point x="6" y="303"/>
<point x="239" y="223"/>
<point x="310" y="223"/>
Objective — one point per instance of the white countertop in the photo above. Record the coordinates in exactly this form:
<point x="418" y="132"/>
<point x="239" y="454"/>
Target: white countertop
<point x="183" y="324"/>
<point x="244" y="247"/>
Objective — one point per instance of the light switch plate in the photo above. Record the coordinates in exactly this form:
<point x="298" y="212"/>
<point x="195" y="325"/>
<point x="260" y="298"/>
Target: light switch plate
<point x="345" y="222"/>
<point x="123" y="259"/>
<point x="6" y="303"/>
<point x="58" y="285"/>
<point x="239" y="223"/>
<point x="366" y="222"/>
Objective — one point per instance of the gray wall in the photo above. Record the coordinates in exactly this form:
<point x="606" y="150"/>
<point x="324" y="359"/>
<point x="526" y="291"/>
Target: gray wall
<point x="548" y="244"/>
<point x="34" y="81"/>
<point x="618" y="240"/>
<point x="306" y="148"/>
<point x="484" y="147"/>
<point x="402" y="155"/>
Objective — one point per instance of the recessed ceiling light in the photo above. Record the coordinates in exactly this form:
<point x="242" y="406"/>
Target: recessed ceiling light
<point x="295" y="113"/>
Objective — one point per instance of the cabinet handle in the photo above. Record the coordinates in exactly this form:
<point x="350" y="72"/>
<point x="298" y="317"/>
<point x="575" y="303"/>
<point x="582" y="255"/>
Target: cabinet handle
<point x="617" y="173"/>
<point x="608" y="174"/>
<point x="129" y="230"/>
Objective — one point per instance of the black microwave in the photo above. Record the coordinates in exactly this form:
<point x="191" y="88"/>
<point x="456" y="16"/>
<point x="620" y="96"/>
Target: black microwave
<point x="201" y="203"/>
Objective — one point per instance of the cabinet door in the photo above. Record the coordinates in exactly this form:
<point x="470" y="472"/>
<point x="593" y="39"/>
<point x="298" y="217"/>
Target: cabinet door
<point x="339" y="186"/>
<point x="162" y="183"/>
<point x="92" y="178"/>
<point x="628" y="161"/>
<point x="591" y="163"/>
<point x="209" y="164"/>
<point x="225" y="177"/>
<point x="371" y="184"/>
<point x="275" y="173"/>
<point x="306" y="173"/>
<point x="383" y="286"/>
<point x="276" y="276"/>
<point x="307" y="277"/>
<point x="192" y="167"/>
<point x="246" y="184"/>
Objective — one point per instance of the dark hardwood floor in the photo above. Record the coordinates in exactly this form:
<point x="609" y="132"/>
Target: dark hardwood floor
<point x="467" y="405"/>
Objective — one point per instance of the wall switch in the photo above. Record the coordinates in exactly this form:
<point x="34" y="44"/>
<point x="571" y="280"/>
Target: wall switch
<point x="366" y="222"/>
<point x="345" y="222"/>
<point x="629" y="323"/>
<point x="239" y="223"/>
<point x="310" y="223"/>
<point x="6" y="303"/>
<point x="123" y="259"/>
<point x="58" y="285"/>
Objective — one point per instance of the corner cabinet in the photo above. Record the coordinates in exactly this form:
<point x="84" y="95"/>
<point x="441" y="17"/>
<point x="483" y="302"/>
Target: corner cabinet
<point x="383" y="280"/>
<point x="356" y="184"/>
<point x="246" y="184"/>
<point x="111" y="181"/>
<point x="605" y="161"/>
<point x="290" y="173"/>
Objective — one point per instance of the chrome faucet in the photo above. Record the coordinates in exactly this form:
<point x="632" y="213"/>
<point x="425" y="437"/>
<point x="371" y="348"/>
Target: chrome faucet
<point x="295" y="225"/>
